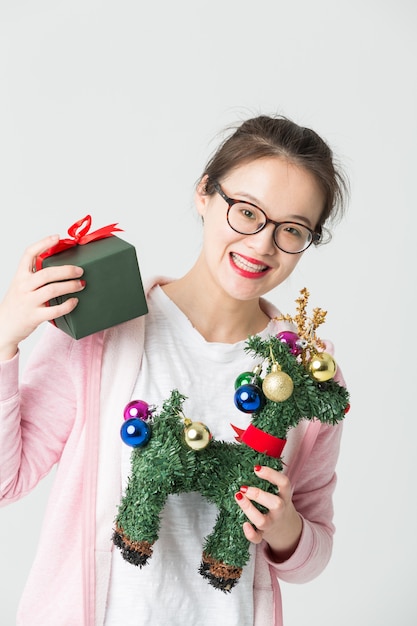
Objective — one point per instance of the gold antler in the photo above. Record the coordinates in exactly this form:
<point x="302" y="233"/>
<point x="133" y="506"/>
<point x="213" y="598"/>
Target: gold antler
<point x="307" y="326"/>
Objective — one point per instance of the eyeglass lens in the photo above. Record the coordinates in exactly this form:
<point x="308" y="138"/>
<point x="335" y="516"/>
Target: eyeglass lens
<point x="249" y="220"/>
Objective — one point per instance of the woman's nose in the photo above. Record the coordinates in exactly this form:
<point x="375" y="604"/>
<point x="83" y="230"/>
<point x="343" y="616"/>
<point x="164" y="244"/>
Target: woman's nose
<point x="263" y="241"/>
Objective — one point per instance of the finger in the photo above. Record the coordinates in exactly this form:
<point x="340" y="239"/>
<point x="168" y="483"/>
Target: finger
<point x="261" y="496"/>
<point x="58" y="310"/>
<point x="280" y="480"/>
<point x="28" y="260"/>
<point x="54" y="290"/>
<point x="251" y="533"/>
<point x="253" y="514"/>
<point x="58" y="274"/>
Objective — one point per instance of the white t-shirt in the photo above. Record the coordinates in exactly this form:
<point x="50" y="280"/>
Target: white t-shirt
<point x="169" y="590"/>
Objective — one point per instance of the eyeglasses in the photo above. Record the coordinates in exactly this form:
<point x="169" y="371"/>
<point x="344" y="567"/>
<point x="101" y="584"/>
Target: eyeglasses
<point x="246" y="218"/>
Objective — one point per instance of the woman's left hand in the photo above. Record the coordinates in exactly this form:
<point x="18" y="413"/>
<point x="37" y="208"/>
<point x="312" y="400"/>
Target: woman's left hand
<point x="281" y="527"/>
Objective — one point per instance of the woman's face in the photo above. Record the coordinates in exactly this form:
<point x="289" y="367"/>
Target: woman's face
<point x="248" y="266"/>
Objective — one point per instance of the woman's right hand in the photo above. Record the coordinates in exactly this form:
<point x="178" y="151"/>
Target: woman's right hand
<point x="25" y="305"/>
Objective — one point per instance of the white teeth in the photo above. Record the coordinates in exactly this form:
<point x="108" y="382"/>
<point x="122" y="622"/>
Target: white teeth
<point x="244" y="264"/>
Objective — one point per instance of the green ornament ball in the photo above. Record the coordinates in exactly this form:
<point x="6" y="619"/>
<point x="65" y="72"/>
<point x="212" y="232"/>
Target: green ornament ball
<point x="248" y="378"/>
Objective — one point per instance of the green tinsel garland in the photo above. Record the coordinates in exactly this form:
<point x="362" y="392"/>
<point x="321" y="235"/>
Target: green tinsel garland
<point x="166" y="465"/>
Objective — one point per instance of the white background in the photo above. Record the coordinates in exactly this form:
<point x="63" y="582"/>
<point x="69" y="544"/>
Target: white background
<point x="112" y="108"/>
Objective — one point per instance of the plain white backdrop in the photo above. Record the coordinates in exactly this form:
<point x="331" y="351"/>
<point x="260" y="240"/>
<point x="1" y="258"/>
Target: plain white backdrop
<point x="113" y="107"/>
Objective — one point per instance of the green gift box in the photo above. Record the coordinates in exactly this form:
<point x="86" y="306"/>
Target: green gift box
<point x="113" y="293"/>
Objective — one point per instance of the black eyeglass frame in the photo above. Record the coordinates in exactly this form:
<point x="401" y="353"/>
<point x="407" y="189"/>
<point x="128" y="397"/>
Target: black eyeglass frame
<point x="315" y="237"/>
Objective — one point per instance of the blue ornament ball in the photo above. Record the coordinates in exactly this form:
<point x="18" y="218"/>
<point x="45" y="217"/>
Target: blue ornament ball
<point x="135" y="432"/>
<point x="249" y="398"/>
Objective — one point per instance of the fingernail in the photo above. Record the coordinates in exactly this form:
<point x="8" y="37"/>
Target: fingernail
<point x="257" y="468"/>
<point x="239" y="496"/>
<point x="83" y="283"/>
<point x="243" y="489"/>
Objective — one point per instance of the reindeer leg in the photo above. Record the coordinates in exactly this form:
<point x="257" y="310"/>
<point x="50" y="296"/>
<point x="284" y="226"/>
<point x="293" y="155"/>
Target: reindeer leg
<point x="135" y="552"/>
<point x="138" y="520"/>
<point x="226" y="551"/>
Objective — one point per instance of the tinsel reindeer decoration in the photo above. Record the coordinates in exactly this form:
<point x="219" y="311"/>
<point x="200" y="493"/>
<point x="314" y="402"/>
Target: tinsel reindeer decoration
<point x="173" y="454"/>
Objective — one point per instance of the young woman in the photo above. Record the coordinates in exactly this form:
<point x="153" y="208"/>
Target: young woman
<point x="264" y="199"/>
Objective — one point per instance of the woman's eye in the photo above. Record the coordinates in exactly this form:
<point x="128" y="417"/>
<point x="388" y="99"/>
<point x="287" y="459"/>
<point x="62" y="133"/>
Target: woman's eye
<point x="247" y="214"/>
<point x="293" y="230"/>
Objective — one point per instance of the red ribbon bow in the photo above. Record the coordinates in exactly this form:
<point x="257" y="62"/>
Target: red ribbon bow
<point x="79" y="237"/>
<point x="260" y="441"/>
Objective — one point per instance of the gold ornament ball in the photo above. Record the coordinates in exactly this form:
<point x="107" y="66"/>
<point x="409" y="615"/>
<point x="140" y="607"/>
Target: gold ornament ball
<point x="197" y="436"/>
<point x="322" y="367"/>
<point x="277" y="386"/>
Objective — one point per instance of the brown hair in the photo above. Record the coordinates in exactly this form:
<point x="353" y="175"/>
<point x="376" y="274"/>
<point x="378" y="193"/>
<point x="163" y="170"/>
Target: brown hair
<point x="278" y="136"/>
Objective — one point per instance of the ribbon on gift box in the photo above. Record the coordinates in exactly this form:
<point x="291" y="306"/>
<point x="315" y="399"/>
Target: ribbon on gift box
<point x="79" y="236"/>
<point x="260" y="441"/>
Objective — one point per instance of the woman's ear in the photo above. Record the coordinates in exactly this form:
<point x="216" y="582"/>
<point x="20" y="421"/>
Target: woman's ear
<point x="201" y="197"/>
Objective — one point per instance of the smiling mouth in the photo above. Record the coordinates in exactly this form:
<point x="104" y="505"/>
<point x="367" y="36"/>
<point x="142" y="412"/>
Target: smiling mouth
<point x="248" y="266"/>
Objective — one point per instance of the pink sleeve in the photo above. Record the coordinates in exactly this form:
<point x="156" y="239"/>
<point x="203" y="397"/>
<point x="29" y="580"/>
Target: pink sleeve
<point x="35" y="418"/>
<point x="313" y="499"/>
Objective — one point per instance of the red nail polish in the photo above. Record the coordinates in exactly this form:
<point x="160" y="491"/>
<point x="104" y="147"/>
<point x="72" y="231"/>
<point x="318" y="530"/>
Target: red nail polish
<point x="239" y="496"/>
<point x="257" y="468"/>
<point x="243" y="489"/>
<point x="83" y="283"/>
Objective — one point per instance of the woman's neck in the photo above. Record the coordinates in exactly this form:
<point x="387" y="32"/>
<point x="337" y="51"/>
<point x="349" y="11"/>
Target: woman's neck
<point x="217" y="316"/>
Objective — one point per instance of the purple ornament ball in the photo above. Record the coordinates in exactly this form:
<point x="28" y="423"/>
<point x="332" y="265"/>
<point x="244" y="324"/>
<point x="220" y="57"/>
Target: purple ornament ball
<point x="290" y="338"/>
<point x="136" y="408"/>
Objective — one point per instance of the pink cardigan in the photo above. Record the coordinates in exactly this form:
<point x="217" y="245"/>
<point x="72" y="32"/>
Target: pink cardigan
<point x="67" y="411"/>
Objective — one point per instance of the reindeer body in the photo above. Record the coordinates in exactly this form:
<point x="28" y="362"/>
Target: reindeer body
<point x="167" y="466"/>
